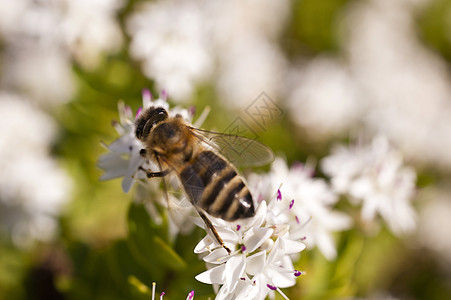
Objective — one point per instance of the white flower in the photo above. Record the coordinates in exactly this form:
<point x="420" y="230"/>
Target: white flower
<point x="45" y="35"/>
<point x="253" y="60"/>
<point x="243" y="35"/>
<point x="90" y="28"/>
<point x="375" y="175"/>
<point x="242" y="240"/>
<point x="123" y="160"/>
<point x="304" y="202"/>
<point x="170" y="38"/>
<point x="272" y="271"/>
<point x="257" y="264"/>
<point x="326" y="93"/>
<point x="234" y="233"/>
<point x="52" y="85"/>
<point x="33" y="187"/>
<point x="411" y="113"/>
<point x="236" y="39"/>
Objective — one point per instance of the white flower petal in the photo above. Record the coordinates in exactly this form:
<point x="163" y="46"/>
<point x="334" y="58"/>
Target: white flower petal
<point x="260" y="214"/>
<point x="255" y="263"/>
<point x="234" y="268"/>
<point x="122" y="144"/>
<point x="292" y="247"/>
<point x="369" y="207"/>
<point x="257" y="291"/>
<point x="222" y="294"/>
<point x="227" y="235"/>
<point x="135" y="161"/>
<point x="127" y="183"/>
<point x="217" y="256"/>
<point x="338" y="221"/>
<point x="257" y="220"/>
<point x="326" y="245"/>
<point x="275" y="253"/>
<point x="281" y="278"/>
<point x="214" y="275"/>
<point x="255" y="237"/>
<point x="114" y="165"/>
<point x="203" y="245"/>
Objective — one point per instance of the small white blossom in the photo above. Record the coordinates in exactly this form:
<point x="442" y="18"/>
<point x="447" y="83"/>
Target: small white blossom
<point x="260" y="261"/>
<point x="326" y="93"/>
<point x="304" y="202"/>
<point x="33" y="187"/>
<point x="124" y="160"/>
<point x="235" y="39"/>
<point x="272" y="271"/>
<point x="170" y="38"/>
<point x="90" y="28"/>
<point x="262" y="246"/>
<point x="243" y="35"/>
<point x="375" y="175"/>
<point x="45" y="35"/>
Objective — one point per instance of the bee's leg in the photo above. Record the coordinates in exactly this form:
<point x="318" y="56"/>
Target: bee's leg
<point x="213" y="230"/>
<point x="150" y="174"/>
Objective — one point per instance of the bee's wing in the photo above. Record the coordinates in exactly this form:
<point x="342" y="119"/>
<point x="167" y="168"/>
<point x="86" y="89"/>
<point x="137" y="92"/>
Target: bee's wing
<point x="239" y="150"/>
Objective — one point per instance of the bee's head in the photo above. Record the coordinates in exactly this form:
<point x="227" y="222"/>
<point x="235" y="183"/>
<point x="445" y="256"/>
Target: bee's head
<point x="148" y="119"/>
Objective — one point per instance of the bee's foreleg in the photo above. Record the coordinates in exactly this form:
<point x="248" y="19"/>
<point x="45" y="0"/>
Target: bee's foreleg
<point x="213" y="230"/>
<point x="151" y="174"/>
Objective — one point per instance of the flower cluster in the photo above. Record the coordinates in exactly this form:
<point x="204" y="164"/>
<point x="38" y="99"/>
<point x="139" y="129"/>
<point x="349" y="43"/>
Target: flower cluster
<point x="49" y="36"/>
<point x="295" y="209"/>
<point x="262" y="247"/>
<point x="124" y="161"/>
<point x="310" y="199"/>
<point x="34" y="188"/>
<point x="169" y="32"/>
<point x="240" y="46"/>
<point x="262" y="252"/>
<point x="374" y="174"/>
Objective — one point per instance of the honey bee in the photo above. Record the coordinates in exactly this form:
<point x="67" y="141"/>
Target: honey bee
<point x="204" y="163"/>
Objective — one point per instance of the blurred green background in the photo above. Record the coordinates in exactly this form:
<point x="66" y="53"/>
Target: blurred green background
<point x="107" y="247"/>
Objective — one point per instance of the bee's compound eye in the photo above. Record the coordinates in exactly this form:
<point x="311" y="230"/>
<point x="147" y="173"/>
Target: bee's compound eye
<point x="147" y="120"/>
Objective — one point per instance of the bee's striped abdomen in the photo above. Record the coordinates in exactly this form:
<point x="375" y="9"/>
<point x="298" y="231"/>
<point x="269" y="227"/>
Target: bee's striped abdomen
<point x="213" y="185"/>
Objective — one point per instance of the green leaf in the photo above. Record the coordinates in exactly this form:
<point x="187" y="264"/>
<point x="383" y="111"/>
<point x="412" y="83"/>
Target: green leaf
<point x="148" y="242"/>
<point x="141" y="287"/>
<point x="167" y="255"/>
